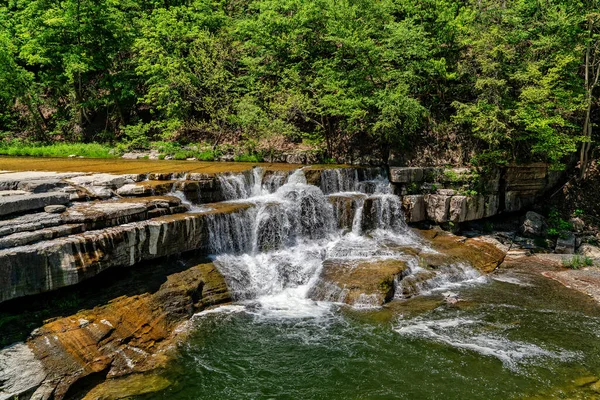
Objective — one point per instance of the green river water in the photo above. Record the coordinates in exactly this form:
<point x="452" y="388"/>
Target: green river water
<point x="518" y="336"/>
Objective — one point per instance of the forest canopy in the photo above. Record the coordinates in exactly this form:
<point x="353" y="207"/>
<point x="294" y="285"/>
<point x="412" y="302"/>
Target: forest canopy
<point x="516" y="79"/>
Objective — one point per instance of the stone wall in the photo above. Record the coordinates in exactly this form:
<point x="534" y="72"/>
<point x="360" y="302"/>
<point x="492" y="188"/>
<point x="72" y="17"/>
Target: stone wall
<point x="454" y="195"/>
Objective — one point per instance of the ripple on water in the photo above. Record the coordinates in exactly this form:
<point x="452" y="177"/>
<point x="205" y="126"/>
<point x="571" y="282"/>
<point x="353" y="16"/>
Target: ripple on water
<point x="475" y="334"/>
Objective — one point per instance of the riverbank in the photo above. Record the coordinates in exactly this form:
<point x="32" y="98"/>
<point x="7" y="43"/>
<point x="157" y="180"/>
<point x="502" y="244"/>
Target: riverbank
<point x="284" y="243"/>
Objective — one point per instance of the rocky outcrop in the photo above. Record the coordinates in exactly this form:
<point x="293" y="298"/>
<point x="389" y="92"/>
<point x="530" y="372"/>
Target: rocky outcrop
<point x="345" y="208"/>
<point x="52" y="264"/>
<point x="458" y="195"/>
<point x="21" y="203"/>
<point x="414" y="208"/>
<point x="369" y="283"/>
<point x="128" y="335"/>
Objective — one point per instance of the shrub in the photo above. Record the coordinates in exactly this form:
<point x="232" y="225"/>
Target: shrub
<point x="577" y="261"/>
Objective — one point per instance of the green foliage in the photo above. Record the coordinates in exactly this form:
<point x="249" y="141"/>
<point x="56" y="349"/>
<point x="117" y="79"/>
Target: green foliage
<point x="337" y="75"/>
<point x="577" y="261"/>
<point x="578" y="212"/>
<point x="88" y="150"/>
<point x="558" y="226"/>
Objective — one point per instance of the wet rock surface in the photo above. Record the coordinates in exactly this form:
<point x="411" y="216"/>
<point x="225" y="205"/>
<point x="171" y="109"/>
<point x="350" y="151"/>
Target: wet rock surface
<point x="131" y="334"/>
<point x="367" y="284"/>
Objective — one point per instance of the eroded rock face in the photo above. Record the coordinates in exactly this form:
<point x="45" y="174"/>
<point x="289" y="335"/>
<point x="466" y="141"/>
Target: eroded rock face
<point x="414" y="208"/>
<point x="533" y="225"/>
<point x="52" y="264"/>
<point x="483" y="254"/>
<point x="368" y="283"/>
<point x="127" y="335"/>
<point x="31" y="202"/>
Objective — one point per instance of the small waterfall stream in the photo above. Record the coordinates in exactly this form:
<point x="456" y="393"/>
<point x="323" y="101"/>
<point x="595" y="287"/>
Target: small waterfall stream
<point x="272" y="253"/>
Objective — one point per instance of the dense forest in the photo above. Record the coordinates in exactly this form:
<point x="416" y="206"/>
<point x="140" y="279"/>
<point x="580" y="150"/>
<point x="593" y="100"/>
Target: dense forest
<point x="516" y="80"/>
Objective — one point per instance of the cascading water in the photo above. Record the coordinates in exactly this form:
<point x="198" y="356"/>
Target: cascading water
<point x="273" y="252"/>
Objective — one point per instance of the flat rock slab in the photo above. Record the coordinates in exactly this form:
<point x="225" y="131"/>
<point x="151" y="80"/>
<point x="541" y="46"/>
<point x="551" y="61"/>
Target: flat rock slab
<point x="31" y="202"/>
<point x="4" y="193"/>
<point x="366" y="283"/>
<point x="147" y="188"/>
<point x="12" y="180"/>
<point x="29" y="222"/>
<point x="586" y="280"/>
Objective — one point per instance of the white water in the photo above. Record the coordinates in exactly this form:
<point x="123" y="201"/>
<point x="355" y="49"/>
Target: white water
<point x="272" y="253"/>
<point x="477" y="335"/>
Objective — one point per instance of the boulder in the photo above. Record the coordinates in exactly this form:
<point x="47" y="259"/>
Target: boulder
<point x="577" y="224"/>
<point x="565" y="245"/>
<point x="533" y="225"/>
<point x="366" y="283"/>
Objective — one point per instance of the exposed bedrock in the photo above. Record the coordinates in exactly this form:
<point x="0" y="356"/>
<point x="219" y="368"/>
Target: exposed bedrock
<point x="55" y="263"/>
<point x="444" y="195"/>
<point x="131" y="334"/>
<point x="365" y="283"/>
<point x="412" y="270"/>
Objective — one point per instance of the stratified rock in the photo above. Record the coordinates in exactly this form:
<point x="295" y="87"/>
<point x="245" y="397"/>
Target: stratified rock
<point x="414" y="208"/>
<point x="147" y="188"/>
<point x="438" y="207"/>
<point x="42" y="185"/>
<point x="368" y="283"/>
<point x="406" y="174"/>
<point x="28" y="222"/>
<point x="52" y="264"/>
<point x="128" y="335"/>
<point x="534" y="225"/>
<point x="57" y="209"/>
<point x="31" y="202"/>
<point x="565" y="245"/>
<point x="12" y="180"/>
<point x="458" y="209"/>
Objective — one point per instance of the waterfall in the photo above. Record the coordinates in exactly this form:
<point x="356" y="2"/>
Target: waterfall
<point x="272" y="253"/>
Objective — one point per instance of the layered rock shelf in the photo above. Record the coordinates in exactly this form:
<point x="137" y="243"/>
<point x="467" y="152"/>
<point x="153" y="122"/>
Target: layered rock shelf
<point x="58" y="228"/>
<point x="131" y="334"/>
<point x="454" y="195"/>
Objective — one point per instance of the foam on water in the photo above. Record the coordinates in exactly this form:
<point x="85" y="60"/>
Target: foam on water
<point x="477" y="335"/>
<point x="272" y="253"/>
